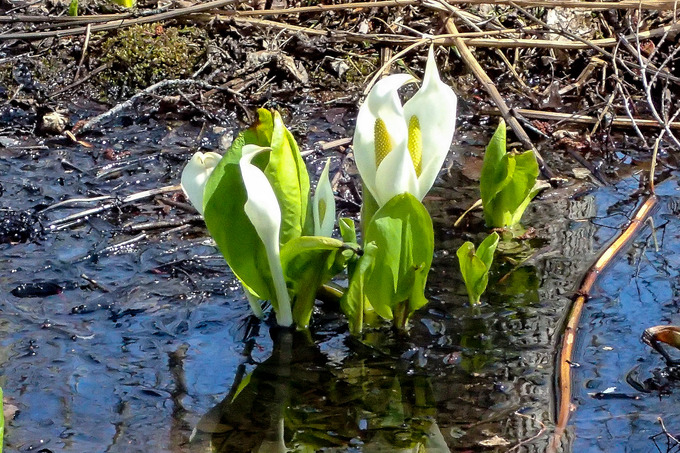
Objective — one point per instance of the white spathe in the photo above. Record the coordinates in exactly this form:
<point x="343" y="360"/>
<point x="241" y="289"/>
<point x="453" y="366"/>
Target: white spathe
<point x="195" y="175"/>
<point x="262" y="208"/>
<point x="399" y="148"/>
<point x="323" y="206"/>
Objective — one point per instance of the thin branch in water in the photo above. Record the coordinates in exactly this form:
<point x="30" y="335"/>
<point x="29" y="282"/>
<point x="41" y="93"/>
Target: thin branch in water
<point x="173" y="83"/>
<point x="532" y="438"/>
<point x="104" y="207"/>
<point x="146" y="226"/>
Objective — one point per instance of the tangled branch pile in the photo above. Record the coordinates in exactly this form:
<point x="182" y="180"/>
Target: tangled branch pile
<point x="546" y="66"/>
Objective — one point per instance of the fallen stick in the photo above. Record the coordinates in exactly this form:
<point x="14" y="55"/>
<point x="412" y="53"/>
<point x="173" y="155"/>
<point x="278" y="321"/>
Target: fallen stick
<point x="88" y="33"/>
<point x="120" y="23"/>
<point x="569" y="336"/>
<point x="590" y="6"/>
<point x="510" y="43"/>
<point x="155" y="225"/>
<point x="173" y="83"/>
<point x="653" y="5"/>
<point x="472" y="39"/>
<point x="116" y="21"/>
<point x="101" y="208"/>
<point x="472" y="63"/>
<point x="582" y="119"/>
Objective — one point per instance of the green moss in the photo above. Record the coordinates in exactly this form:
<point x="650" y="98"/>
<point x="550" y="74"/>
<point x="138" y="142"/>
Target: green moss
<point x="142" y="55"/>
<point x="360" y="68"/>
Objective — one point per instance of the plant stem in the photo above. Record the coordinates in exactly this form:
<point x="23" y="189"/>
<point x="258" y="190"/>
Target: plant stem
<point x="284" y="314"/>
<point x="401" y="315"/>
<point x="254" y="304"/>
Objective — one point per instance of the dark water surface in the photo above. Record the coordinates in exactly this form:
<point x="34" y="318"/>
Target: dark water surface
<point x="163" y="345"/>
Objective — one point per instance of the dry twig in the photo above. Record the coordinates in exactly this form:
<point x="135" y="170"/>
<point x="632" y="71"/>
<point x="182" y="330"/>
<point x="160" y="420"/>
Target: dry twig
<point x="495" y="95"/>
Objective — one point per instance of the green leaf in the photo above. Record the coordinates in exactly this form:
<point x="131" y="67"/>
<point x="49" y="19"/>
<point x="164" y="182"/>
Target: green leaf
<point x="474" y="266"/>
<point x="287" y="173"/>
<point x="349" y="235"/>
<point x="73" y="8"/>
<point x="487" y="248"/>
<point x="241" y="385"/>
<point x="507" y="182"/>
<point x="516" y="194"/>
<point x="347" y="229"/>
<point x="354" y="303"/>
<point x="494" y="173"/>
<point x="308" y="262"/>
<point x="260" y="133"/>
<point x="402" y="231"/>
<point x="369" y="207"/>
<point x="225" y="195"/>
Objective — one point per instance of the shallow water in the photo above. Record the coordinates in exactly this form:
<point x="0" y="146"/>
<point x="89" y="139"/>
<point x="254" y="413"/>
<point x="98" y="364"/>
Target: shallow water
<point x="163" y="342"/>
<point x="640" y="291"/>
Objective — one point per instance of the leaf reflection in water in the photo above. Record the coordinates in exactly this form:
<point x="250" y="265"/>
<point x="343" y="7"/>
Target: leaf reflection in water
<point x="297" y="401"/>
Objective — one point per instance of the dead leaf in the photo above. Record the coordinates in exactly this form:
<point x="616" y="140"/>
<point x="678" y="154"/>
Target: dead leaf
<point x="495" y="441"/>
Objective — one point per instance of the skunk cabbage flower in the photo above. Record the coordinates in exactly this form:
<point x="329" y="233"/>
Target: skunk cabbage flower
<point x="262" y="208"/>
<point x="196" y="174"/>
<point x="399" y="148"/>
<point x="323" y="206"/>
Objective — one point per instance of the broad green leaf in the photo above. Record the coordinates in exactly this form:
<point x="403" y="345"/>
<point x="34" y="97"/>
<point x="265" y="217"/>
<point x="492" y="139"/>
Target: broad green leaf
<point x="354" y="302"/>
<point x="260" y="133"/>
<point x="225" y="197"/>
<point x="506" y="182"/>
<point x="287" y="173"/>
<point x="347" y="229"/>
<point x="494" y="173"/>
<point x="475" y="273"/>
<point x="308" y="262"/>
<point x="369" y="206"/>
<point x="228" y="224"/>
<point x="516" y="194"/>
<point x="487" y="248"/>
<point x="474" y="266"/>
<point x="402" y="231"/>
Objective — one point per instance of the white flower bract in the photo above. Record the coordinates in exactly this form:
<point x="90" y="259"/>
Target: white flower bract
<point x="399" y="148"/>
<point x="264" y="212"/>
<point x="195" y="175"/>
<point x="323" y="206"/>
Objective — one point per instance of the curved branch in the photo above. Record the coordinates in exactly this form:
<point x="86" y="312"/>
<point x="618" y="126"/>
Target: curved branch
<point x="569" y="337"/>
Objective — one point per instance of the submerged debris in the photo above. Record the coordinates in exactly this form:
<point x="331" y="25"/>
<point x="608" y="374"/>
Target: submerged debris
<point x="17" y="226"/>
<point x="37" y="289"/>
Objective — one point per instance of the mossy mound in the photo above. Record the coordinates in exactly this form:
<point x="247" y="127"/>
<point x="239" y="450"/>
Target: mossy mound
<point x="142" y="55"/>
